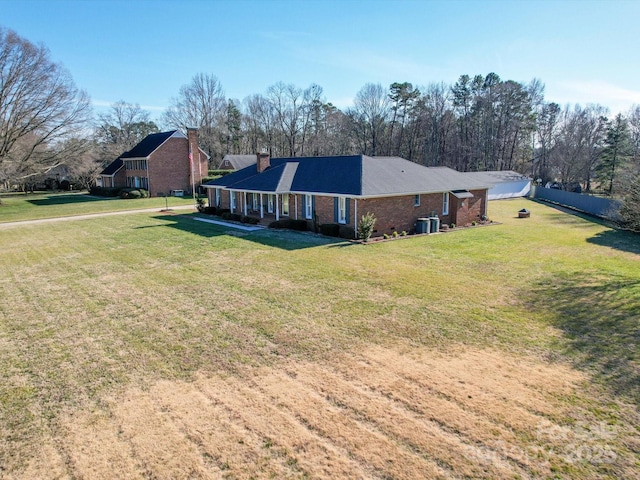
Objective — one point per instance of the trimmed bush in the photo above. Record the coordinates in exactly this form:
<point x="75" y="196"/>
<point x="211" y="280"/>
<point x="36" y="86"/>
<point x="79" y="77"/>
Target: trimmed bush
<point x="235" y="217"/>
<point x="221" y="211"/>
<point x="291" y="224"/>
<point x="330" y="229"/>
<point x="250" y="220"/>
<point x="348" y="232"/>
<point x="219" y="173"/>
<point x="105" y="191"/>
<point x="365" y="226"/>
<point x="209" y="210"/>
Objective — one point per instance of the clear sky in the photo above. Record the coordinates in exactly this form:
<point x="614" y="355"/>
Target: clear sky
<point x="142" y="51"/>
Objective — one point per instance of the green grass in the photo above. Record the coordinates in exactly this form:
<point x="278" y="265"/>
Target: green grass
<point x="19" y="206"/>
<point x="92" y="306"/>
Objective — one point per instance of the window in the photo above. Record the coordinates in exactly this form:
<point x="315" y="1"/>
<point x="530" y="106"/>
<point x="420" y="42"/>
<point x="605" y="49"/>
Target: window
<point x="217" y="198"/>
<point x="254" y="201"/>
<point x="232" y="201"/>
<point x="342" y="210"/>
<point x="285" y="204"/>
<point x="270" y="203"/>
<point x="308" y="207"/>
<point x="416" y="200"/>
<point x="445" y="203"/>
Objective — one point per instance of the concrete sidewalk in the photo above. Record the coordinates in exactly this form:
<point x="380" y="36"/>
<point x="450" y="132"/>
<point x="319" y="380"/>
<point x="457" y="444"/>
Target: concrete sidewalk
<point x="91" y="215"/>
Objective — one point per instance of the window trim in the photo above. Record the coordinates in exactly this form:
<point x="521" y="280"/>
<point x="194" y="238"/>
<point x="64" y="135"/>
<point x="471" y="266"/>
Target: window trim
<point x="285" y="205"/>
<point x="308" y="207"/>
<point x="342" y="210"/>
<point x="445" y="203"/>
<point x="416" y="200"/>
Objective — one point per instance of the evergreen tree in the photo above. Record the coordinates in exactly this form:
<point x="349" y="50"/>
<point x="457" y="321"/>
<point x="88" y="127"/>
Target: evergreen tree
<point x="616" y="152"/>
<point x="630" y="209"/>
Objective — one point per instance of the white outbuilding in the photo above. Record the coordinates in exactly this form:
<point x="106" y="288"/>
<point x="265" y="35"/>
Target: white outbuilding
<point x="504" y="183"/>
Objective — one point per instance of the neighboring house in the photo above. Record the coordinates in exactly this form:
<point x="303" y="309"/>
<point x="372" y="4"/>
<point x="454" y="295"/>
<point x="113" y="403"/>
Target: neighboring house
<point x="504" y="184"/>
<point x="236" y="162"/>
<point x="113" y="175"/>
<point x="343" y="188"/>
<point x="160" y="163"/>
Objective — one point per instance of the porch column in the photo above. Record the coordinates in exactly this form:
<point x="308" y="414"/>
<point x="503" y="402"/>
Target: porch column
<point x="355" y="214"/>
<point x="277" y="209"/>
<point x="261" y="207"/>
<point x="244" y="200"/>
<point x="295" y="197"/>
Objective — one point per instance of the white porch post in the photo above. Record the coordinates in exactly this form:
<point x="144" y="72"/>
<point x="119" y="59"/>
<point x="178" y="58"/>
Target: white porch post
<point x="277" y="209"/>
<point x="355" y="214"/>
<point x="261" y="207"/>
<point x="244" y="200"/>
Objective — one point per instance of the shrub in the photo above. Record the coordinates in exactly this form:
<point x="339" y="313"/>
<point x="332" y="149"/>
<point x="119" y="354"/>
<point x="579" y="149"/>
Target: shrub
<point x="65" y="185"/>
<point x="346" y="231"/>
<point x="200" y="204"/>
<point x="330" y="229"/>
<point x="105" y="191"/>
<point x="474" y="223"/>
<point x="235" y="217"/>
<point x="250" y="220"/>
<point x="219" y="173"/>
<point x="291" y="224"/>
<point x="221" y="211"/>
<point x="365" y="226"/>
<point x="395" y="234"/>
<point x="403" y="233"/>
<point x="385" y="236"/>
<point x="453" y="225"/>
<point x="209" y="210"/>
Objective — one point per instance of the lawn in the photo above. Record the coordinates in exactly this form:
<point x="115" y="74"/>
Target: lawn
<point x="19" y="206"/>
<point x="154" y="346"/>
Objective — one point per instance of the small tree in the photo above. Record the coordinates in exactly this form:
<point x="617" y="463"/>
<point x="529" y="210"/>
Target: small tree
<point x="630" y="209"/>
<point x="365" y="226"/>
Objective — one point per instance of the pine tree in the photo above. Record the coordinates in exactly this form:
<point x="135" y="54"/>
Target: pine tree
<point x="630" y="209"/>
<point x="616" y="152"/>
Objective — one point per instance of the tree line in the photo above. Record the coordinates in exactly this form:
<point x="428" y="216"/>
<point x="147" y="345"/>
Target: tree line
<point x="480" y="122"/>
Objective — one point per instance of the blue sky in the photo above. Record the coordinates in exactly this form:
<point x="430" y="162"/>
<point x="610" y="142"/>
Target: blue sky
<point x="142" y="51"/>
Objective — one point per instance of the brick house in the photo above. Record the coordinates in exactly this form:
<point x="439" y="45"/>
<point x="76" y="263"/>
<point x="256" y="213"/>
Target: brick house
<point x="341" y="189"/>
<point x="161" y="164"/>
<point x="236" y="162"/>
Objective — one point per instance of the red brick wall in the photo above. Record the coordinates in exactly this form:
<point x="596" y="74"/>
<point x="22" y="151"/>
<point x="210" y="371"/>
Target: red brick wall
<point x="169" y="168"/>
<point x="467" y="210"/>
<point x="399" y="213"/>
<point x="392" y="213"/>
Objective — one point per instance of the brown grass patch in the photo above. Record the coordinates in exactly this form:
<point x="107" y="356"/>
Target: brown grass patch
<point x="381" y="413"/>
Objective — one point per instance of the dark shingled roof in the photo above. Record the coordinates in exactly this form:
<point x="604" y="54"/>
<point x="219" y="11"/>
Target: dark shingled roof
<point x="148" y="145"/>
<point x="353" y="175"/>
<point x="113" y="167"/>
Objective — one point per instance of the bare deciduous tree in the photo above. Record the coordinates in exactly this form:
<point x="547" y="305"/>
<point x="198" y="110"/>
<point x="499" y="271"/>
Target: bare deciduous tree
<point x="121" y="128"/>
<point x="40" y="108"/>
<point x="201" y="104"/>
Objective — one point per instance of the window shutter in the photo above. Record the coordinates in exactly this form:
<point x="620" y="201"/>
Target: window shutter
<point x="313" y="205"/>
<point x="336" y="206"/>
<point x="304" y="205"/>
<point x="346" y="210"/>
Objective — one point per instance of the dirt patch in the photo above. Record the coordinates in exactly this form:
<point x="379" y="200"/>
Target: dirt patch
<point x="380" y="413"/>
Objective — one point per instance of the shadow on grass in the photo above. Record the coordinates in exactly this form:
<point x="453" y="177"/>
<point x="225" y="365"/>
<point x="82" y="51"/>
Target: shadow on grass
<point x="283" y="239"/>
<point x="600" y="319"/>
<point x="618" y="239"/>
<point x="66" y="199"/>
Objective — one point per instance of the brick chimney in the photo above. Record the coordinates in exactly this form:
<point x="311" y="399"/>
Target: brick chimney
<point x="263" y="161"/>
<point x="194" y="152"/>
